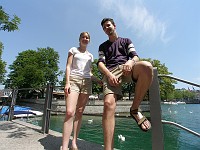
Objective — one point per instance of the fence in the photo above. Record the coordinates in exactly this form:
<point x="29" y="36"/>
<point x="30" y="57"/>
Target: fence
<point x="155" y="110"/>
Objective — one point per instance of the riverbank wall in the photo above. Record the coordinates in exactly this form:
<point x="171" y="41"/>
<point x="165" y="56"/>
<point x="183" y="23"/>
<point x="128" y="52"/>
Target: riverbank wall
<point x="94" y="107"/>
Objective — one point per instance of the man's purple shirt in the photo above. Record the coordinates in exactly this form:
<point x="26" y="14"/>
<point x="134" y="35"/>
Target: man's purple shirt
<point x="116" y="53"/>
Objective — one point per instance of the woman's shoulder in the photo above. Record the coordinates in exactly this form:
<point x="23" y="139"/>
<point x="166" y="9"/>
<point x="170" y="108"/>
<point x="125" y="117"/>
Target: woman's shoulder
<point x="89" y="53"/>
<point x="73" y="50"/>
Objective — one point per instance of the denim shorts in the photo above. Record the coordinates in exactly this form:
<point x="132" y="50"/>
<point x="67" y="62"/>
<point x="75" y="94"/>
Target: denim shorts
<point x="81" y="85"/>
<point x="108" y="89"/>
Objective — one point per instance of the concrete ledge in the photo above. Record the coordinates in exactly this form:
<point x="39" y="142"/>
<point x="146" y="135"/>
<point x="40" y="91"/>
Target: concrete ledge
<point x="18" y="135"/>
<point x="93" y="106"/>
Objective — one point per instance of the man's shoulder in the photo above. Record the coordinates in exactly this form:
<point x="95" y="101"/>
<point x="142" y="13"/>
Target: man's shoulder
<point x="104" y="43"/>
<point x="124" y="38"/>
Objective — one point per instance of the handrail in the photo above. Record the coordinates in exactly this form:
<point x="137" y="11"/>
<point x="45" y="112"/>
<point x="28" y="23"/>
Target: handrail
<point x="155" y="114"/>
<point x="155" y="109"/>
<point x="178" y="79"/>
<point x="180" y="126"/>
<point x="173" y="123"/>
<point x="12" y="104"/>
<point x="47" y="109"/>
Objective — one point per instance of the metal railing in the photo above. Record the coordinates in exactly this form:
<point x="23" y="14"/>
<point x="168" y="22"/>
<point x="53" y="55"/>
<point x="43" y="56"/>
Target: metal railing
<point x="155" y="112"/>
<point x="12" y="104"/>
<point x="180" y="126"/>
<point x="178" y="79"/>
<point x="47" y="109"/>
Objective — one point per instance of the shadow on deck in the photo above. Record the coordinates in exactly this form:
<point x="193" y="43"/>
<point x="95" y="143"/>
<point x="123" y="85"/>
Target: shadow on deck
<point x="21" y="135"/>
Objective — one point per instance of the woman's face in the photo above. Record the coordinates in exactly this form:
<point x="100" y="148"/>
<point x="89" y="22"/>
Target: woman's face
<point x="84" y="39"/>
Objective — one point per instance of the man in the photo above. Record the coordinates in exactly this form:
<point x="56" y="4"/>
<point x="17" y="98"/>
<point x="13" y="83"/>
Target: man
<point x="119" y="62"/>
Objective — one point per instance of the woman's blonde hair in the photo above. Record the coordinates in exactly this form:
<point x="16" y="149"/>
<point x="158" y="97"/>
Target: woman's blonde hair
<point x="82" y="33"/>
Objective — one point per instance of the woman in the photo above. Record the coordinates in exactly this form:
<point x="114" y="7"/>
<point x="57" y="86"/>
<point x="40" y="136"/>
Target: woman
<point x="78" y="87"/>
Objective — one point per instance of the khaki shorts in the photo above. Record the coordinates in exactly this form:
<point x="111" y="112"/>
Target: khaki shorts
<point x="108" y="89"/>
<point x="81" y="85"/>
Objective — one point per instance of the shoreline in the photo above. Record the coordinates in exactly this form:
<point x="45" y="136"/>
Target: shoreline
<point x="93" y="107"/>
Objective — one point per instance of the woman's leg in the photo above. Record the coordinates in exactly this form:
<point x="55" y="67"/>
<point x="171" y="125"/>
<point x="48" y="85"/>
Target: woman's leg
<point x="71" y="102"/>
<point x="82" y="101"/>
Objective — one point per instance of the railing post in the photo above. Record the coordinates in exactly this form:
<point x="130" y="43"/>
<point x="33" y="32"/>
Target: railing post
<point x="155" y="113"/>
<point x="47" y="109"/>
<point x="12" y="105"/>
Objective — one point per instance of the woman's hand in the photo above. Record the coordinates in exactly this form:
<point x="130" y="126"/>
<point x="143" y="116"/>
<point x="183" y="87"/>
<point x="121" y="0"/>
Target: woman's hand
<point x="67" y="89"/>
<point x="100" y="82"/>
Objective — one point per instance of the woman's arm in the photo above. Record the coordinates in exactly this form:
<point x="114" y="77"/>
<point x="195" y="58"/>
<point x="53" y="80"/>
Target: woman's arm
<point x="95" y="79"/>
<point x="67" y="80"/>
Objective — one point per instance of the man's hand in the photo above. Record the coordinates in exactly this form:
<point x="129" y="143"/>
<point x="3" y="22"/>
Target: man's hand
<point x="113" y="80"/>
<point x="127" y="67"/>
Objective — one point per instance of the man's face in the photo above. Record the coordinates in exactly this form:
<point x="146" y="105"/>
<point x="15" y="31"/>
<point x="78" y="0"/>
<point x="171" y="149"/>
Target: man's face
<point x="108" y="28"/>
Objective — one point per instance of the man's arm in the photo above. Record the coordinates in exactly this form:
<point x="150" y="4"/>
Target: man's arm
<point x="112" y="79"/>
<point x="103" y="69"/>
<point x="135" y="59"/>
<point x="128" y="66"/>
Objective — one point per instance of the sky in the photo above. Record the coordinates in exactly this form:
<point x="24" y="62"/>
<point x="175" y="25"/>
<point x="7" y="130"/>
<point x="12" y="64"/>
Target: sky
<point x="168" y="31"/>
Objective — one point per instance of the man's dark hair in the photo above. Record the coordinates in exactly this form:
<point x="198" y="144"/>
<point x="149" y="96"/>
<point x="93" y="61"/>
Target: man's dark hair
<point x="107" y="19"/>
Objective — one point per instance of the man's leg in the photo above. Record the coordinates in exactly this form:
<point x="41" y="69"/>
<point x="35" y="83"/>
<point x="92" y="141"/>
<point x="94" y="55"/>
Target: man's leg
<point x="143" y="73"/>
<point x="109" y="121"/>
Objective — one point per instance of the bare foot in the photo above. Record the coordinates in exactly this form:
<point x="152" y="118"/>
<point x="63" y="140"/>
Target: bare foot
<point x="141" y="120"/>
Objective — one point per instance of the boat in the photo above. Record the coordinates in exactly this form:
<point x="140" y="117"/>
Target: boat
<point x="172" y="103"/>
<point x="20" y="111"/>
<point x="179" y="102"/>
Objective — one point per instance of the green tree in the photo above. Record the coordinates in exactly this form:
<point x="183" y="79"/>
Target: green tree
<point x="2" y="65"/>
<point x="178" y="94"/>
<point x="96" y="88"/>
<point x="62" y="74"/>
<point x="25" y="72"/>
<point x="34" y="69"/>
<point x="166" y="84"/>
<point x="187" y="94"/>
<point x="7" y="23"/>
<point x="49" y="60"/>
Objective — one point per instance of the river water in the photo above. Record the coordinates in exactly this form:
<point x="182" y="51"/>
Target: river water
<point x="188" y="115"/>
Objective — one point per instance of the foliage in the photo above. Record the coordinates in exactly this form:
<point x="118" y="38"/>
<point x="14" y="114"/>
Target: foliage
<point x="166" y="84"/>
<point x="33" y="69"/>
<point x="7" y="23"/>
<point x="96" y="88"/>
<point x="183" y="94"/>
<point x="2" y="65"/>
<point x="49" y="60"/>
